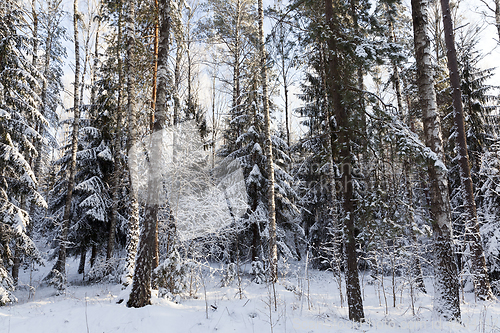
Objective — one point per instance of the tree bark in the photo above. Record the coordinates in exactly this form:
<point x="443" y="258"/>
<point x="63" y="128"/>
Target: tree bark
<point x="83" y="257"/>
<point x="354" y="300"/>
<point x="93" y="255"/>
<point x="115" y="189"/>
<point x="446" y="299"/>
<point x="141" y="288"/>
<point x="236" y="66"/>
<point x="60" y="264"/>
<point x="35" y="33"/>
<point x="177" y="79"/>
<point x="273" y="249"/>
<point x="478" y="261"/>
<point x="133" y="223"/>
<point x="156" y="261"/>
<point x="93" y="90"/>
<point x="17" y="264"/>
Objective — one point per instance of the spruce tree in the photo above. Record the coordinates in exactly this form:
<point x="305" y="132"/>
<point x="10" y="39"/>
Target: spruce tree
<point x="19" y="116"/>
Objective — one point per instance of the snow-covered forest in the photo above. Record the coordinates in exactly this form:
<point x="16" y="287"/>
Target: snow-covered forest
<point x="249" y="165"/>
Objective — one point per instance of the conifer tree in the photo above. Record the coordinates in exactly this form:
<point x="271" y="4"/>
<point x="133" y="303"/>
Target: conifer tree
<point x="19" y="116"/>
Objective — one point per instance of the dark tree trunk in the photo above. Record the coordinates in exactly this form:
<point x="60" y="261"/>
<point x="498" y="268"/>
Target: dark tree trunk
<point x="93" y="255"/>
<point x="17" y="265"/>
<point x="255" y="241"/>
<point x="354" y="300"/>
<point x="35" y="33"/>
<point x="141" y="288"/>
<point x="117" y="171"/>
<point x="285" y="91"/>
<point x="479" y="270"/>
<point x="156" y="261"/>
<point x="446" y="300"/>
<point x="83" y="257"/>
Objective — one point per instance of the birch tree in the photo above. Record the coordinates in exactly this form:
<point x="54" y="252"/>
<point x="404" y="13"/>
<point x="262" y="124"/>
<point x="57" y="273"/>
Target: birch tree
<point x="133" y="222"/>
<point x="273" y="250"/>
<point x="446" y="299"/>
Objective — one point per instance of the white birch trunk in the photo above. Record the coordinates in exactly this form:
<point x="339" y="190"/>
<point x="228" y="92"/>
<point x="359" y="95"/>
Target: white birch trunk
<point x="446" y="297"/>
<point x="273" y="250"/>
<point x="133" y="223"/>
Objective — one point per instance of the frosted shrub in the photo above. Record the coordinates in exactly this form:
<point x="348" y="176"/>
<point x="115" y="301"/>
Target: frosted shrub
<point x="106" y="271"/>
<point x="258" y="272"/>
<point x="172" y="276"/>
<point x="230" y="273"/>
<point x="6" y="287"/>
<point x="57" y="280"/>
<point x="495" y="287"/>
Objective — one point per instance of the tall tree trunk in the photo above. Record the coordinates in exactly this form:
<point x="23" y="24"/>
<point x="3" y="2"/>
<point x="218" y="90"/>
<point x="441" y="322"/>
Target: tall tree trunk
<point x="236" y="66"/>
<point x="446" y="299"/>
<point x="155" y="66"/>
<point x="141" y="288"/>
<point x="336" y="235"/>
<point x="285" y="87"/>
<point x="60" y="264"/>
<point x="115" y="189"/>
<point x="156" y="261"/>
<point x="190" y="102"/>
<point x="133" y="223"/>
<point x="117" y="172"/>
<point x="273" y="249"/>
<point x="354" y="300"/>
<point x="478" y="262"/>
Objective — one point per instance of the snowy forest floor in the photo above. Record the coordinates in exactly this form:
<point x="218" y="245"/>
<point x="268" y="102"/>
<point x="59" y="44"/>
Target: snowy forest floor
<point x="305" y="304"/>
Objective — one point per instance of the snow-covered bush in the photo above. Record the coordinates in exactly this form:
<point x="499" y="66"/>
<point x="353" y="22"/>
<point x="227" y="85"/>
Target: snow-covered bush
<point x="258" y="272"/>
<point x="230" y="273"/>
<point x="57" y="280"/>
<point x="106" y="271"/>
<point x="172" y="276"/>
<point x="6" y="286"/>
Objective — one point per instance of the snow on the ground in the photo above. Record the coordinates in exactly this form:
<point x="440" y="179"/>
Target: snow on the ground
<point x="304" y="305"/>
